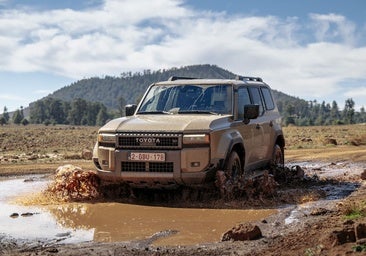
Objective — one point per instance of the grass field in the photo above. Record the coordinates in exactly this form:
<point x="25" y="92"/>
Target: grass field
<point x="328" y="143"/>
<point x="39" y="148"/>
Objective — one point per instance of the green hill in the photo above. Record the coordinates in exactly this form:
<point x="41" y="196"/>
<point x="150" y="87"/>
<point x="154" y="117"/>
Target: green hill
<point x="109" y="90"/>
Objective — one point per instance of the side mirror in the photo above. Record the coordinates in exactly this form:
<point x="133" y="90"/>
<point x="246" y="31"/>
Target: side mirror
<point x="130" y="109"/>
<point x="250" y="112"/>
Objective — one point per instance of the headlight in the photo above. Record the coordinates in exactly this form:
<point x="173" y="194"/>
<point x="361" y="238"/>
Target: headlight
<point x="106" y="138"/>
<point x="196" y="139"/>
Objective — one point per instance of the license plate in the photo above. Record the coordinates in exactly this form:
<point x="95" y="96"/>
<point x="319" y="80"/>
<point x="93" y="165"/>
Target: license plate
<point x="155" y="157"/>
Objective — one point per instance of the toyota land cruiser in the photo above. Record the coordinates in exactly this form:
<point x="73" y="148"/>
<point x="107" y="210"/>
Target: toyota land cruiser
<point x="184" y="130"/>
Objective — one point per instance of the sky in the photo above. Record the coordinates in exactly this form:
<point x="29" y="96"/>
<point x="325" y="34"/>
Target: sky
<point x="311" y="49"/>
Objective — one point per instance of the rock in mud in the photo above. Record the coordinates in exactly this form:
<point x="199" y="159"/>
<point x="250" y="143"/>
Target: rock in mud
<point x="242" y="232"/>
<point x="319" y="211"/>
<point x="361" y="241"/>
<point x="14" y="215"/>
<point x="27" y="214"/>
<point x="330" y="141"/>
<point x="66" y="234"/>
<point x="338" y="237"/>
<point x="363" y="175"/>
<point x="352" y="232"/>
<point x="87" y="154"/>
<point x="360" y="230"/>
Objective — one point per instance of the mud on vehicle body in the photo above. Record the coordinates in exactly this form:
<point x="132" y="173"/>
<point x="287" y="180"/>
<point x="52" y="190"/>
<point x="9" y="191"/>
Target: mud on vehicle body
<point x="184" y="130"/>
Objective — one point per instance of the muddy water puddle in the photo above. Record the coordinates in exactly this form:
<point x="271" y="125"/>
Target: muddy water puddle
<point x="31" y="222"/>
<point x="111" y="221"/>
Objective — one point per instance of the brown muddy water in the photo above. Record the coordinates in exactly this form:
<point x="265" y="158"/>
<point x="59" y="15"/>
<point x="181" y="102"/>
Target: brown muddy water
<point x="112" y="221"/>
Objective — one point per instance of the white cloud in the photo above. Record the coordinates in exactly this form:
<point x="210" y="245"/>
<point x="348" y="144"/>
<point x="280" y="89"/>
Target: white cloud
<point x="13" y="97"/>
<point x="357" y="92"/>
<point x="42" y="92"/>
<point x="135" y="35"/>
<point x="333" y="26"/>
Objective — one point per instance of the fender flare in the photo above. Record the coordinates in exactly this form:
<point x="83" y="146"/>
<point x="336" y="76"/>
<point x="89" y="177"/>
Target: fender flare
<point x="228" y="141"/>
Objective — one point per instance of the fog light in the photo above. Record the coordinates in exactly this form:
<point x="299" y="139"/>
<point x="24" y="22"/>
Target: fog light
<point x="105" y="162"/>
<point x="195" y="164"/>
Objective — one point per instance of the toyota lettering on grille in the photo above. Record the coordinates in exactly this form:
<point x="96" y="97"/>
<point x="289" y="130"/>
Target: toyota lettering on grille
<point x="147" y="141"/>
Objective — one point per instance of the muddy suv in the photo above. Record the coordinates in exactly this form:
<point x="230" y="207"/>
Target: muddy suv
<point x="184" y="130"/>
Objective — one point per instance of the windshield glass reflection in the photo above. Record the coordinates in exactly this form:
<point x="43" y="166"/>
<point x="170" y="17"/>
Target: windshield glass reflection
<point x="173" y="99"/>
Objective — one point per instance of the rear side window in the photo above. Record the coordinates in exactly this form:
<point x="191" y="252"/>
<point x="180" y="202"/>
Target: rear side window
<point x="256" y="98"/>
<point x="268" y="101"/>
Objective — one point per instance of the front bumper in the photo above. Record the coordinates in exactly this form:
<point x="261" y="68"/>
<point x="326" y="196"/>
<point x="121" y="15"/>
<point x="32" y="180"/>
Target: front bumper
<point x="189" y="167"/>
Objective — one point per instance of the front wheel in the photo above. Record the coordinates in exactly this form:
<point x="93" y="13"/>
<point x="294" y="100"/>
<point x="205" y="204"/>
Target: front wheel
<point x="278" y="159"/>
<point x="233" y="168"/>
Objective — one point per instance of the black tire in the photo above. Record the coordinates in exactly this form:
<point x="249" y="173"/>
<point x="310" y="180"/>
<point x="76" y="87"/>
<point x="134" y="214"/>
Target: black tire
<point x="278" y="159"/>
<point x="233" y="168"/>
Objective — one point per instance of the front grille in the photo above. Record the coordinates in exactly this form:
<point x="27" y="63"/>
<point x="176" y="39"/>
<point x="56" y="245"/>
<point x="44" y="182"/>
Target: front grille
<point x="147" y="167"/>
<point x="161" y="167"/>
<point x="150" y="140"/>
<point x="133" y="167"/>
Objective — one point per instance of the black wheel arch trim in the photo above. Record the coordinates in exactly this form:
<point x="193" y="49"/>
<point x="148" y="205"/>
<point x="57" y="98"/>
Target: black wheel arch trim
<point x="235" y="143"/>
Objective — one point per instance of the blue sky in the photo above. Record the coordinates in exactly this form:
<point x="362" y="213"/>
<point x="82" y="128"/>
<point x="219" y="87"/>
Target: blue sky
<point x="312" y="49"/>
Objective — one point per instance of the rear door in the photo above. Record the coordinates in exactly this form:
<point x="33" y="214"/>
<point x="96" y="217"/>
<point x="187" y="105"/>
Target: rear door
<point x="270" y="120"/>
<point x="261" y="134"/>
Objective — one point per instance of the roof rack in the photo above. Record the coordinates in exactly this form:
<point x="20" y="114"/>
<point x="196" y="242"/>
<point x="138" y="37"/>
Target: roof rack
<point x="249" y="78"/>
<point x="173" y="78"/>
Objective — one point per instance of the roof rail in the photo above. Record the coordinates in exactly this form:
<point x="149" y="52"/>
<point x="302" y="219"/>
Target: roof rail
<point x="249" y="78"/>
<point x="173" y="78"/>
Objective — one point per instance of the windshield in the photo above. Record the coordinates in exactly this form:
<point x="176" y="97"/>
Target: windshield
<point x="172" y="99"/>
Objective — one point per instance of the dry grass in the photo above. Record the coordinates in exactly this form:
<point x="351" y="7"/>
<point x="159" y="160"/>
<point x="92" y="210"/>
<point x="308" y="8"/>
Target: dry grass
<point x="41" y="149"/>
<point x="40" y="139"/>
<point x="353" y="209"/>
<point x="315" y="137"/>
<point x="327" y="143"/>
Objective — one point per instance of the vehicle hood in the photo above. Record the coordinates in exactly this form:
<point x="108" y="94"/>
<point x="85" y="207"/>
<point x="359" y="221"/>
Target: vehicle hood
<point x="165" y="123"/>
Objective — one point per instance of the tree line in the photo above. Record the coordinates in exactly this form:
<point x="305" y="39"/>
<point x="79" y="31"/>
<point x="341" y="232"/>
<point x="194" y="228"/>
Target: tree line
<point x="55" y="111"/>
<point x="17" y="117"/>
<point x="309" y="113"/>
<point x="81" y="112"/>
<point x="76" y="112"/>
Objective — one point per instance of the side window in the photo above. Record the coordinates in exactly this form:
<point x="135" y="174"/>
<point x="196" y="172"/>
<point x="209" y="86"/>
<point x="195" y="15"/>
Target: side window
<point x="243" y="99"/>
<point x="256" y="98"/>
<point x="268" y="101"/>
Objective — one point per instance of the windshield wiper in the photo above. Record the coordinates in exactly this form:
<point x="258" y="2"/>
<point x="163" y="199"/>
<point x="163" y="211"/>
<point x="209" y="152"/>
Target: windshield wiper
<point x="153" y="112"/>
<point x="197" y="112"/>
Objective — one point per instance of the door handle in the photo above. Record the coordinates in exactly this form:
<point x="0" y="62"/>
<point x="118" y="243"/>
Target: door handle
<point x="257" y="127"/>
<point x="270" y="123"/>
